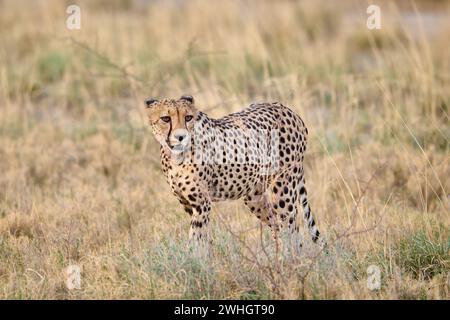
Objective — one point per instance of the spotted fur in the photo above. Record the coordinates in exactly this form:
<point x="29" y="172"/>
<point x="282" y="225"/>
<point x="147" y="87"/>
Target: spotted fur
<point x="200" y="170"/>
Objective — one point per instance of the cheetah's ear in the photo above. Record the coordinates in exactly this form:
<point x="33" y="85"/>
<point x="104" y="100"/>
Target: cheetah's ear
<point x="150" y="101"/>
<point x="187" y="98"/>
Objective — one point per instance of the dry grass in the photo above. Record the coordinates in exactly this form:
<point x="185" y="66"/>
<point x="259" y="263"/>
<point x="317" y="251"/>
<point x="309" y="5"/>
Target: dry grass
<point x="80" y="181"/>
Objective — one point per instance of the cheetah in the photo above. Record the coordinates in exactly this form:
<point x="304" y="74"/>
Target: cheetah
<point x="255" y="154"/>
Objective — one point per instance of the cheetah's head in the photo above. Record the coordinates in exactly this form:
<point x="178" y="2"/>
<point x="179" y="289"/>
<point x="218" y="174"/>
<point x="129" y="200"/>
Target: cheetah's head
<point x="172" y="121"/>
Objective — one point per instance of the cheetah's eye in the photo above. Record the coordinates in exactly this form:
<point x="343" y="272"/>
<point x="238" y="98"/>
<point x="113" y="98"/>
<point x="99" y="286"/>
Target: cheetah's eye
<point x="165" y="119"/>
<point x="188" y="118"/>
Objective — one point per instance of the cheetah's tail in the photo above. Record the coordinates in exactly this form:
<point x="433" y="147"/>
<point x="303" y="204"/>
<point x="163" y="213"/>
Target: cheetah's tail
<point x="309" y="219"/>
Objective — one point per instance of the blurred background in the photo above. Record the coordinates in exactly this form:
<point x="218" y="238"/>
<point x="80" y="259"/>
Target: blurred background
<point x="80" y="178"/>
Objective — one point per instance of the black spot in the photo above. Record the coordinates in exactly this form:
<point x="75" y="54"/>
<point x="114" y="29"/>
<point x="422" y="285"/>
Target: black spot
<point x="316" y="236"/>
<point x="307" y="215"/>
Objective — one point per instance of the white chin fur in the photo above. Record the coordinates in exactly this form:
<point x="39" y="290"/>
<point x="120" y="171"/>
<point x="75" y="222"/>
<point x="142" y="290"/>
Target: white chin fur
<point x="177" y="149"/>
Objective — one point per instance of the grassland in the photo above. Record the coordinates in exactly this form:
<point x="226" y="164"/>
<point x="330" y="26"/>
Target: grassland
<point x="80" y="180"/>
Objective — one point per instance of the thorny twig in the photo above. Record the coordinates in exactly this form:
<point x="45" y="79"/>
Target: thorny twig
<point x="271" y="277"/>
<point x="346" y="233"/>
<point x="123" y="70"/>
<point x="274" y="269"/>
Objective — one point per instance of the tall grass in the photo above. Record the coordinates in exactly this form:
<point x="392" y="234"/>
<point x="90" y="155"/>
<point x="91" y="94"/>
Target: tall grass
<point x="80" y="179"/>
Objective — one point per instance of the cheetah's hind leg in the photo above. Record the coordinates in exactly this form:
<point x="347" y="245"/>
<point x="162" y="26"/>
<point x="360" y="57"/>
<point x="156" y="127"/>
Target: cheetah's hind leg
<point x="260" y="205"/>
<point x="276" y="207"/>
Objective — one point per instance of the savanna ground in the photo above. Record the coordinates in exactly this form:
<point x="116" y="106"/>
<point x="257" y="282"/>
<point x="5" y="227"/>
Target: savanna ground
<point x="80" y="178"/>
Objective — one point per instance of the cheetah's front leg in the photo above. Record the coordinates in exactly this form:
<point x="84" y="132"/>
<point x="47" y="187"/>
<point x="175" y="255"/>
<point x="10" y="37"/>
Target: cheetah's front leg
<point x="199" y="230"/>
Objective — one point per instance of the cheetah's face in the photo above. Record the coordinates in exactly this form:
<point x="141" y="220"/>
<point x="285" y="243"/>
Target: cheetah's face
<point x="172" y="121"/>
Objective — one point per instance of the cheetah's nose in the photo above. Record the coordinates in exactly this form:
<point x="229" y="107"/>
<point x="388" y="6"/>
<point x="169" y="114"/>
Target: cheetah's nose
<point x="180" y="136"/>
